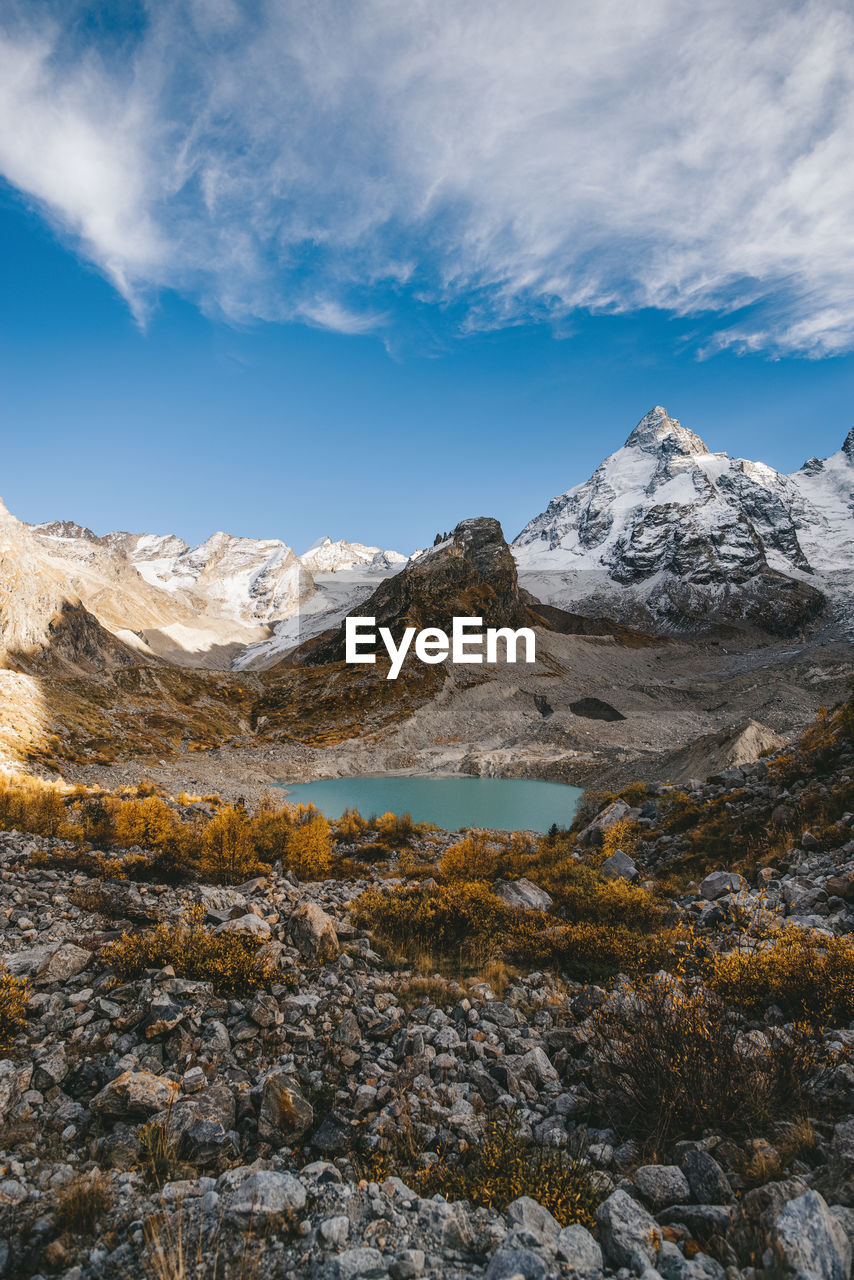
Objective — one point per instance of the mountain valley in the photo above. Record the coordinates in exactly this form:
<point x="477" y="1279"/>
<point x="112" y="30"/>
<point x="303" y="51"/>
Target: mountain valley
<point x="704" y="602"/>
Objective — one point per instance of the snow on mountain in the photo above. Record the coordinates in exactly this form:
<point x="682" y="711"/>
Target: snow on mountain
<point x="253" y="580"/>
<point x="669" y="534"/>
<point x="226" y="586"/>
<point x="337" y="592"/>
<point x="326" y="556"/>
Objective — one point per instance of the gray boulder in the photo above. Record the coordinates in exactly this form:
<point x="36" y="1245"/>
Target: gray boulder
<point x="523" y="894"/>
<point x="619" y="867"/>
<point x="248" y="926"/>
<point x="530" y="1214"/>
<point x="133" y="1094"/>
<point x="630" y="1236"/>
<point x="810" y="1240"/>
<point x="594" y="831"/>
<point x="577" y="1248"/>
<point x="509" y="1264"/>
<point x="707" y="1180"/>
<point x="662" y="1184"/>
<point x="718" y="883"/>
<point x="361" y="1264"/>
<point x="267" y="1194"/>
<point x="66" y="962"/>
<point x="284" y="1115"/>
<point x="673" y="1265"/>
<point x="313" y="933"/>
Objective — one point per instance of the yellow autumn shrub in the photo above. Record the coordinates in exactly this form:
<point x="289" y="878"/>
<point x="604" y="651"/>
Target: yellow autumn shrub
<point x="228" y="960"/>
<point x="668" y="1062"/>
<point x="472" y="858"/>
<point x="150" y="823"/>
<point x="499" y="1169"/>
<point x="623" y="835"/>
<point x="309" y="849"/>
<point x="464" y="915"/>
<point x="228" y="849"/>
<point x="14" y="993"/>
<point x="810" y="976"/>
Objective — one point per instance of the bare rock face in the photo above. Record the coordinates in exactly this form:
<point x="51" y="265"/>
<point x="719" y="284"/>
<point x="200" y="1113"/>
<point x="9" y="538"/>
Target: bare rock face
<point x="313" y="933"/>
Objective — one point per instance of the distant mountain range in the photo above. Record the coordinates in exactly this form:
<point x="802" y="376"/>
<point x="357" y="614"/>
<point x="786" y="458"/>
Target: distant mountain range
<point x="665" y="536"/>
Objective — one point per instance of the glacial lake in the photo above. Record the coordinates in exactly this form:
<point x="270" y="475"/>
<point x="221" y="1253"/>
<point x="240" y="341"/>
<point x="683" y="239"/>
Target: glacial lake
<point x="509" y="804"/>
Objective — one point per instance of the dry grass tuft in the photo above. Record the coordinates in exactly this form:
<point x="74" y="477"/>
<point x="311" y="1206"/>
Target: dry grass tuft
<point x="83" y="1202"/>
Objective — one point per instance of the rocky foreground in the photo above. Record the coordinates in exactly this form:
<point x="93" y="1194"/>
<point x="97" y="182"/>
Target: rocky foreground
<point x="154" y="1126"/>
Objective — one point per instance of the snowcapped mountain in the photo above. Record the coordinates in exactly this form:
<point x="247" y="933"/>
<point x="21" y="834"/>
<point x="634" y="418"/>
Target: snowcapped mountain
<point x="252" y="580"/>
<point x="667" y="534"/>
<point x="326" y="556"/>
<point x="220" y="601"/>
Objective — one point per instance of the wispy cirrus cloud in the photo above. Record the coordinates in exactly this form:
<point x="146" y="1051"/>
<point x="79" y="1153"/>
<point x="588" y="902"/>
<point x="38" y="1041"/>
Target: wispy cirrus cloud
<point x="307" y="161"/>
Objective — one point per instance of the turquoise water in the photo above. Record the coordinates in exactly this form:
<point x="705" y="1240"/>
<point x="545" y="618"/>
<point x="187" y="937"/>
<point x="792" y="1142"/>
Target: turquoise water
<point x="508" y="804"/>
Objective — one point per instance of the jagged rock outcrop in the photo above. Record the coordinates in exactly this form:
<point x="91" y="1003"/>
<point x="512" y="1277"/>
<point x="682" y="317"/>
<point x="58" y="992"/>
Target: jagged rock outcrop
<point x="667" y="534"/>
<point x="470" y="574"/>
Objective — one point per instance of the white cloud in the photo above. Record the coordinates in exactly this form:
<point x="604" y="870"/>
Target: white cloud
<point x="298" y="161"/>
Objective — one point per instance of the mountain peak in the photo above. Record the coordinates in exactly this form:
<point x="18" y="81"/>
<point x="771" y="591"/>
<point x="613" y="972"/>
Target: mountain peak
<point x="848" y="445"/>
<point x="657" y="431"/>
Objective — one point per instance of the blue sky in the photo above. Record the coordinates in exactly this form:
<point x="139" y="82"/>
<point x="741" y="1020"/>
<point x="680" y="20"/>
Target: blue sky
<point x="289" y="276"/>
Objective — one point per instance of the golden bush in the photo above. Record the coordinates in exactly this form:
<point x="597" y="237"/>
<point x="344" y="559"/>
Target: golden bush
<point x="587" y="951"/>
<point x="464" y="916"/>
<point x="608" y="902"/>
<point x="504" y="1166"/>
<point x="466" y="921"/>
<point x="28" y="804"/>
<point x="149" y="822"/>
<point x="14" y="994"/>
<point x="395" y="828"/>
<point x="350" y="826"/>
<point x="808" y="975"/>
<point x="472" y="858"/>
<point x="309" y="850"/>
<point x="228" y="960"/>
<point x="228" y="849"/>
<point x="492" y="1173"/>
<point x="270" y="829"/>
<point x="669" y="1061"/>
<point x="623" y="835"/>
